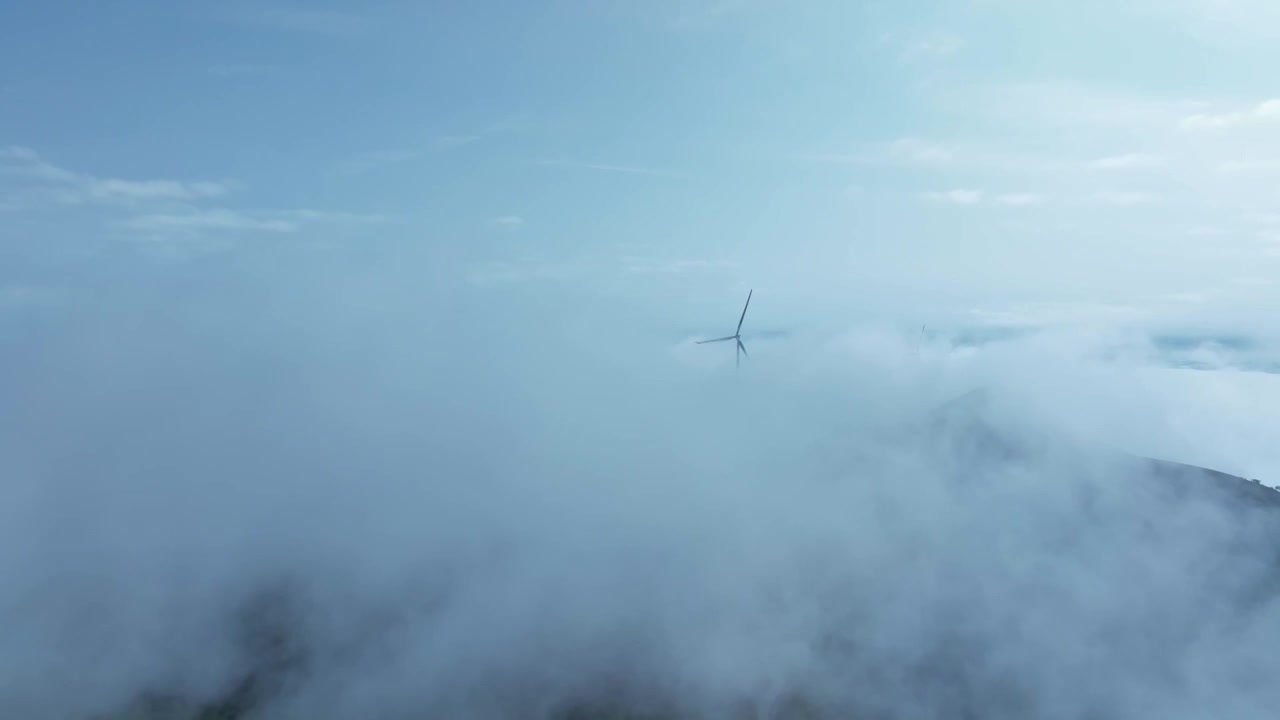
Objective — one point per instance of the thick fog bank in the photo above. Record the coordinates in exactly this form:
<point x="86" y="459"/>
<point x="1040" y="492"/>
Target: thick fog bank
<point x="372" y="491"/>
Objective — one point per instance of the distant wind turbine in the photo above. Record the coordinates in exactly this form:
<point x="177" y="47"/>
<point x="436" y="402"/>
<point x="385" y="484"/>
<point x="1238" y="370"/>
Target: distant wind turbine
<point x="736" y="336"/>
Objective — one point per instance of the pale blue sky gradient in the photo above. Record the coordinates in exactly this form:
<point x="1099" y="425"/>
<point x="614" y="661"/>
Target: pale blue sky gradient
<point x="938" y="159"/>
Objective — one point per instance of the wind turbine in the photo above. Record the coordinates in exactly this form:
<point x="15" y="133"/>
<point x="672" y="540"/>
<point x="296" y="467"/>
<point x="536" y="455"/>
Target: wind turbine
<point x="736" y="336"/>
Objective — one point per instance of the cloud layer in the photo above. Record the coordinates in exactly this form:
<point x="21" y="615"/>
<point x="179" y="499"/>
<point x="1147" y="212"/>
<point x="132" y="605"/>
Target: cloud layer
<point x="154" y="209"/>
<point x="478" y="513"/>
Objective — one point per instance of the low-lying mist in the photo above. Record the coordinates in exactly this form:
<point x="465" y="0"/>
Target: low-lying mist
<point x="374" y="491"/>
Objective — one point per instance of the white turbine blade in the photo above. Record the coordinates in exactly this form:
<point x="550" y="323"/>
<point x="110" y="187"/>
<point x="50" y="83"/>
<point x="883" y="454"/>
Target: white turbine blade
<point x="744" y="312"/>
<point x="737" y="356"/>
<point x="743" y="348"/>
<point x="704" y="342"/>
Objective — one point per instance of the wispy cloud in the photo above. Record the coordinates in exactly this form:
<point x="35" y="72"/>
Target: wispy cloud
<point x="836" y="158"/>
<point x="374" y="159"/>
<point x="194" y="220"/>
<point x="1205" y="231"/>
<point x="171" y="208"/>
<point x="82" y="187"/>
<point x="1252" y="166"/>
<point x="1184" y="298"/>
<point x="1228" y="22"/>
<point x="448" y="142"/>
<point x="1129" y="161"/>
<point x="1210" y="158"/>
<point x="635" y="264"/>
<point x="604" y="167"/>
<point x="208" y="219"/>
<point x="920" y="151"/>
<point x="936" y="155"/>
<point x="1041" y="314"/>
<point x="908" y="150"/>
<point x="913" y="45"/>
<point x="957" y="196"/>
<point x="1072" y="106"/>
<point x="1267" y="111"/>
<point x="967" y="197"/>
<point x="694" y="13"/>
<point x="503" y="273"/>
<point x="1022" y="199"/>
<point x="511" y="222"/>
<point x="234" y="70"/>
<point x="1125" y="198"/>
<point x="25" y="161"/>
<point x="299" y="19"/>
<point x="154" y="189"/>
<point x="332" y="216"/>
<point x="937" y="46"/>
<point x="440" y="143"/>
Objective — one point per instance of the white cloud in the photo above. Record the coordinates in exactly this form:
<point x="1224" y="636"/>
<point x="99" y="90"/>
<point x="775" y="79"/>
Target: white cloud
<point x="958" y="196"/>
<point x="1228" y="23"/>
<point x="1267" y="219"/>
<point x="1265" y="112"/>
<point x="154" y="189"/>
<point x="297" y="18"/>
<point x="448" y="142"/>
<point x="84" y="187"/>
<point x="1184" y="298"/>
<point x="916" y="45"/>
<point x="25" y="161"/>
<point x="509" y="221"/>
<point x="1051" y="314"/>
<point x="161" y="206"/>
<point x="1205" y="231"/>
<point x="241" y="70"/>
<point x="919" y="151"/>
<point x="957" y="154"/>
<point x="832" y="157"/>
<point x="907" y="150"/>
<point x="374" y="159"/>
<point x="1255" y="166"/>
<point x="445" y="142"/>
<point x="1250" y="281"/>
<point x="211" y="219"/>
<point x="1020" y="199"/>
<point x="700" y="12"/>
<point x="684" y="265"/>
<point x="1125" y="198"/>
<point x="197" y="219"/>
<point x="501" y="273"/>
<point x="330" y="216"/>
<point x="605" y="167"/>
<point x="1072" y="107"/>
<point x="968" y="197"/>
<point x="1129" y="161"/>
<point x="940" y="45"/>
<point x="1116" y="149"/>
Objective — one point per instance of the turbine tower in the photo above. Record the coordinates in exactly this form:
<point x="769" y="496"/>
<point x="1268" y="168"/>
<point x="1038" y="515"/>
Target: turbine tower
<point x="741" y="349"/>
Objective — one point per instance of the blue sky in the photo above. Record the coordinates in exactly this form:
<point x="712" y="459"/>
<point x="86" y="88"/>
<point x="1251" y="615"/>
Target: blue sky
<point x="987" y="160"/>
